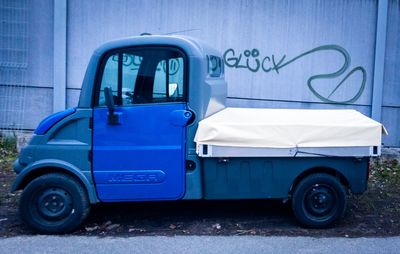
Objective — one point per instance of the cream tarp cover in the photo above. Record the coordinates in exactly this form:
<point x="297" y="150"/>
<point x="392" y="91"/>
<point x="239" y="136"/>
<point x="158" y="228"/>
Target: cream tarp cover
<point x="288" y="128"/>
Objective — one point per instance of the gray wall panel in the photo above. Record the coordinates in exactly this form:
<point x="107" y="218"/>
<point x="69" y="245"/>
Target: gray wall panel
<point x="40" y="71"/>
<point x="25" y="62"/>
<point x="391" y="120"/>
<point x="37" y="104"/>
<point x="26" y="43"/>
<point x="287" y="104"/>
<point x="391" y="88"/>
<point x="273" y="28"/>
<point x="72" y="97"/>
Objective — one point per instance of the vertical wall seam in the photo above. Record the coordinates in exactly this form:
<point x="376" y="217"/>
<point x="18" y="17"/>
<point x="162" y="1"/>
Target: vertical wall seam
<point x="59" y="54"/>
<point x="379" y="64"/>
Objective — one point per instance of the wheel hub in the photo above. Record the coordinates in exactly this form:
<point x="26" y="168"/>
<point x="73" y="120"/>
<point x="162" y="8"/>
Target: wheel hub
<point x="320" y="200"/>
<point x="54" y="203"/>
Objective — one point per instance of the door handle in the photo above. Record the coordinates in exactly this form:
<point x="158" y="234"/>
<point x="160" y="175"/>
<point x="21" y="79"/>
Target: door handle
<point x="180" y="117"/>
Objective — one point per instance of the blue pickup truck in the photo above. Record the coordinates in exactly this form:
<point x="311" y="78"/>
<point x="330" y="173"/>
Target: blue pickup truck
<point x="135" y="136"/>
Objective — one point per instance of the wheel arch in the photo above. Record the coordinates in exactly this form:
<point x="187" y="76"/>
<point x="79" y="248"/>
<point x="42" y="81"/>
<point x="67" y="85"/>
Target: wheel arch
<point x="43" y="167"/>
<point x="327" y="170"/>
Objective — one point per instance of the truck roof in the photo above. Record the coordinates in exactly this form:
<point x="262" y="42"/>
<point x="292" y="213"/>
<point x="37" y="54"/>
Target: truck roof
<point x="191" y="46"/>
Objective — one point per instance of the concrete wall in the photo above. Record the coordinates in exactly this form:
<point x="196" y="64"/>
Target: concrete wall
<point x="26" y="62"/>
<point x="271" y="30"/>
<point x="391" y="88"/>
<point x="286" y="54"/>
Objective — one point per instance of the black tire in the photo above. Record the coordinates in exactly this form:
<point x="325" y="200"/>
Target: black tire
<point x="54" y="203"/>
<point x="319" y="200"/>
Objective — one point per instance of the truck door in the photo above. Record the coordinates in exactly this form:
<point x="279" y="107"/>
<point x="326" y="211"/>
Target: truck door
<point x="140" y="155"/>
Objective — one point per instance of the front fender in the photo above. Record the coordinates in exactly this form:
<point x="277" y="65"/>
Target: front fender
<point x="42" y="165"/>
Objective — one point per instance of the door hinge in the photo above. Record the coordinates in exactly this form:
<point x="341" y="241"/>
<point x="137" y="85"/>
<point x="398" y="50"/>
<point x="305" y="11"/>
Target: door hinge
<point x="91" y="123"/>
<point x="90" y="155"/>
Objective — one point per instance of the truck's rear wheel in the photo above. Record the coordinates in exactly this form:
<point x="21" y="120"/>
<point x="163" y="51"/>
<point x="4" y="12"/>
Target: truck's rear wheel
<point x="319" y="200"/>
<point x="54" y="204"/>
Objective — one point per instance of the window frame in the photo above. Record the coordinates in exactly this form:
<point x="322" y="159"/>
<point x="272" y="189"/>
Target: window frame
<point x="130" y="50"/>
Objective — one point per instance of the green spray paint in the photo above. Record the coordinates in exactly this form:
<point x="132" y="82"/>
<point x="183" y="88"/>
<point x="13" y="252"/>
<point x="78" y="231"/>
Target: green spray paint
<point x="235" y="61"/>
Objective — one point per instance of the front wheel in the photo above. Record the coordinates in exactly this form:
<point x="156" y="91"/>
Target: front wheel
<point x="319" y="200"/>
<point x="54" y="203"/>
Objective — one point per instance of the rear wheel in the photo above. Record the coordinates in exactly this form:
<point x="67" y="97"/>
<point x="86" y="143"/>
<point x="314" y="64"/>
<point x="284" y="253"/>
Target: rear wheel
<point x="319" y="200"/>
<point x="54" y="203"/>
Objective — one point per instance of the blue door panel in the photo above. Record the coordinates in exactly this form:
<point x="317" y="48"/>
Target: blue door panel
<point x="142" y="158"/>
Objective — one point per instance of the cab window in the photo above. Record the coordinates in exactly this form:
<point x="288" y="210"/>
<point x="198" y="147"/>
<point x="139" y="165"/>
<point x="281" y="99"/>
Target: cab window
<point x="148" y="75"/>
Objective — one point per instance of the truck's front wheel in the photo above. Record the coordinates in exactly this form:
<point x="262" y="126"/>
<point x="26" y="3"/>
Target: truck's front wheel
<point x="54" y="203"/>
<point x="319" y="200"/>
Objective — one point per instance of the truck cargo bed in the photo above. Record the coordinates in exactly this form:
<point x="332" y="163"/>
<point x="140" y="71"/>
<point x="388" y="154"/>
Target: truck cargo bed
<point x="255" y="132"/>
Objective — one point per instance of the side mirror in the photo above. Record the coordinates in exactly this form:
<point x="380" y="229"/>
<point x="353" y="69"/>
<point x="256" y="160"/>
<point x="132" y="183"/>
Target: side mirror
<point x="173" y="90"/>
<point x="113" y="117"/>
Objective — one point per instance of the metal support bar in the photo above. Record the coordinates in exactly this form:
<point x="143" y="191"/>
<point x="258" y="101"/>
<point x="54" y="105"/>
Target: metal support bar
<point x="255" y="152"/>
<point x="59" y="55"/>
<point x="379" y="66"/>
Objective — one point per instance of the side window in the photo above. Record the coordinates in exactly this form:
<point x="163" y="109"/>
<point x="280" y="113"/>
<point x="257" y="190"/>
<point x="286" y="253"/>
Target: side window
<point x="168" y="79"/>
<point x="130" y="69"/>
<point x="120" y="73"/>
<point x="110" y="78"/>
<point x="215" y="66"/>
<point x="147" y="75"/>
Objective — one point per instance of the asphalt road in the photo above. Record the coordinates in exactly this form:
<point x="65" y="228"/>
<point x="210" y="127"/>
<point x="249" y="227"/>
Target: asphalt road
<point x="197" y="244"/>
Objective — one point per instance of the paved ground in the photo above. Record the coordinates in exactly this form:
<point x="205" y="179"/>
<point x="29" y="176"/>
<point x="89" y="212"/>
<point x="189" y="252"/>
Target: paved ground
<point x="197" y="244"/>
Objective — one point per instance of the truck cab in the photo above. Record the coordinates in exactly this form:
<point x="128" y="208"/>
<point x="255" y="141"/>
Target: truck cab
<point x="131" y="138"/>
